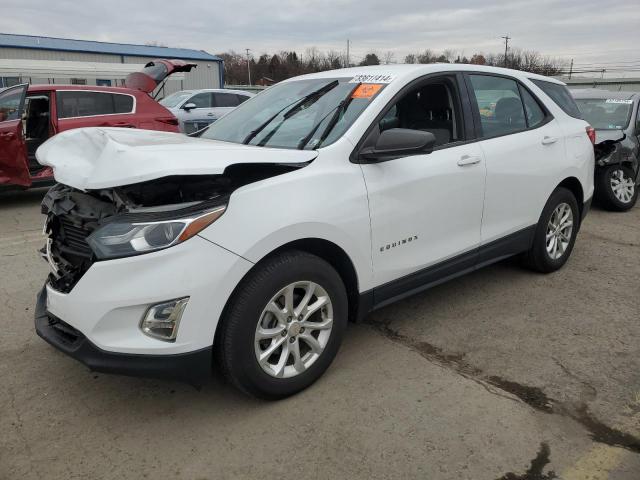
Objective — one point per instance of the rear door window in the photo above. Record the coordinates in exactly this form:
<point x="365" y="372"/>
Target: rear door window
<point x="560" y="95"/>
<point x="225" y="99"/>
<point x="499" y="104"/>
<point x="87" y="104"/>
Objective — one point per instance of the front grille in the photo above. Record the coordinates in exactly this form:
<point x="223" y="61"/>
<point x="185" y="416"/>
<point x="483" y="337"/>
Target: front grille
<point x="68" y="251"/>
<point x="74" y="237"/>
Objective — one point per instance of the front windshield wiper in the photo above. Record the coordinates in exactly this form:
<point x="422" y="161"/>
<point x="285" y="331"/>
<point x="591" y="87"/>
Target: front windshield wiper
<point x="338" y="109"/>
<point x="295" y="106"/>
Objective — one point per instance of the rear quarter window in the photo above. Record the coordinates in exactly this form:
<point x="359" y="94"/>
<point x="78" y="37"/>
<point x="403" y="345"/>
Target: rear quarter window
<point x="560" y="96"/>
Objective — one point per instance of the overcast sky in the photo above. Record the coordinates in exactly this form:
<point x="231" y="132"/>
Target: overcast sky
<point x="579" y="29"/>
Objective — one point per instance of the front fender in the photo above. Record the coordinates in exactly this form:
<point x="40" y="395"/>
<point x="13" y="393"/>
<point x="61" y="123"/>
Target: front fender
<point x="326" y="200"/>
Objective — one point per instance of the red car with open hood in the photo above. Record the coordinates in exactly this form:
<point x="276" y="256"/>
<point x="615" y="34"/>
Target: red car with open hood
<point x="31" y="114"/>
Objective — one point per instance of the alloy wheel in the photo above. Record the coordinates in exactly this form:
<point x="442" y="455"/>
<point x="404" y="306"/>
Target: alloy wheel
<point x="559" y="230"/>
<point x="293" y="329"/>
<point x="622" y="186"/>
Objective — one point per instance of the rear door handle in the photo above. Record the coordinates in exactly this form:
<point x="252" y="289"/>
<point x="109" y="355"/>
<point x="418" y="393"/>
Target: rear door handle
<point x="468" y="160"/>
<point x="549" y="140"/>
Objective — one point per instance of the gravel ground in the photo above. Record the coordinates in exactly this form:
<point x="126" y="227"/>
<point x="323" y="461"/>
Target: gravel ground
<point x="503" y="374"/>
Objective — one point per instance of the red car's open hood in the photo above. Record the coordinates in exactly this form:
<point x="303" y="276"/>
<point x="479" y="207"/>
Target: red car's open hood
<point x="154" y="74"/>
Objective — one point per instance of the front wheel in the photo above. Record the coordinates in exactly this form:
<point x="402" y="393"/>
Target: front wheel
<point x="555" y="233"/>
<point x="616" y="188"/>
<point x="283" y="325"/>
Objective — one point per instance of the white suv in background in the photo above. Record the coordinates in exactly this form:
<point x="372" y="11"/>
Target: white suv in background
<point x="321" y="199"/>
<point x="196" y="109"/>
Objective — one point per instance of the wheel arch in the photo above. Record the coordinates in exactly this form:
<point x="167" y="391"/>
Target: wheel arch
<point x="574" y="186"/>
<point x="328" y="251"/>
<point x="335" y="256"/>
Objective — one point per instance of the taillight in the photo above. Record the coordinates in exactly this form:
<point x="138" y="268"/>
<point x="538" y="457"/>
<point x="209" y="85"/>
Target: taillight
<point x="168" y="120"/>
<point x="591" y="133"/>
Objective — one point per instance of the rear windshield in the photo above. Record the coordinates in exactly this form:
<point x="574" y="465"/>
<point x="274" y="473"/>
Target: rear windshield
<point x="560" y="95"/>
<point x="606" y="113"/>
<point x="157" y="71"/>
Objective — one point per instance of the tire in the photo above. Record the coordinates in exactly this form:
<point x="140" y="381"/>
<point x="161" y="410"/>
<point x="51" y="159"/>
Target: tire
<point x="539" y="257"/>
<point x="623" y="197"/>
<point x="238" y="347"/>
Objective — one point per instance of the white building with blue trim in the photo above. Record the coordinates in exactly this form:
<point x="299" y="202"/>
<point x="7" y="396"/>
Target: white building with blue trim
<point x="38" y="60"/>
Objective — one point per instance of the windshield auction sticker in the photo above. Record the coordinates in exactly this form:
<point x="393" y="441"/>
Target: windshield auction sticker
<point x="371" y="78"/>
<point x="617" y="100"/>
<point x="366" y="90"/>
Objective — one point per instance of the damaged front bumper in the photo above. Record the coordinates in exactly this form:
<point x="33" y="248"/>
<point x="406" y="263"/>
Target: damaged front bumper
<point x="193" y="367"/>
<point x="98" y="321"/>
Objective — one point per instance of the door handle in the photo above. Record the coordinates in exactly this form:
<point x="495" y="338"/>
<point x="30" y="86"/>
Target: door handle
<point x="210" y="114"/>
<point x="8" y="135"/>
<point x="549" y="140"/>
<point x="468" y="160"/>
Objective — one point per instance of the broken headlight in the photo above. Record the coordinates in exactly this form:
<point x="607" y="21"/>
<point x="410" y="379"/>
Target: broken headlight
<point x="121" y="238"/>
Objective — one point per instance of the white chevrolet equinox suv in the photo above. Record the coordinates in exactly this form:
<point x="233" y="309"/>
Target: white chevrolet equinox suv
<point x="317" y="201"/>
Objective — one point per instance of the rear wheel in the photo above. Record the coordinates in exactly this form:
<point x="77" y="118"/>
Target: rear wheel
<point x="283" y="326"/>
<point x="616" y="188"/>
<point x="556" y="232"/>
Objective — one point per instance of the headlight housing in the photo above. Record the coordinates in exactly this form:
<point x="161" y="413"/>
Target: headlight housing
<point x="122" y="238"/>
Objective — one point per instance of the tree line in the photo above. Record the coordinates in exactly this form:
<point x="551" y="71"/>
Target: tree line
<point x="285" y="64"/>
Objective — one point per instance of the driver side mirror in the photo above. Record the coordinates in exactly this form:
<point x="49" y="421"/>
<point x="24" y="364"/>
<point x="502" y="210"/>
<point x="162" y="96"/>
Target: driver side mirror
<point x="398" y="142"/>
<point x="189" y="106"/>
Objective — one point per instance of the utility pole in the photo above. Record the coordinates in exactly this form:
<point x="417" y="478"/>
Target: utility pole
<point x="603" y="70"/>
<point x="506" y="48"/>
<point x="248" y="66"/>
<point x="571" y="69"/>
<point x="347" y="65"/>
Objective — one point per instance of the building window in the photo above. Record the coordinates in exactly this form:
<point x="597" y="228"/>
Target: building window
<point x="103" y="83"/>
<point x="78" y="81"/>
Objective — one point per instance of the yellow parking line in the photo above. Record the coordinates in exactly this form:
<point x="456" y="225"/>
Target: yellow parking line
<point x="600" y="460"/>
<point x="596" y="464"/>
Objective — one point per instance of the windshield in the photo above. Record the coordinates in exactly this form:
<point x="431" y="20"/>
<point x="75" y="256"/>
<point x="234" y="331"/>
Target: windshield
<point x="175" y="99"/>
<point x="606" y="113"/>
<point x="302" y="114"/>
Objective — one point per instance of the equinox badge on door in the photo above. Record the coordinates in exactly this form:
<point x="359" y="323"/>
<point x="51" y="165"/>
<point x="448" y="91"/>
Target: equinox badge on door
<point x="404" y="241"/>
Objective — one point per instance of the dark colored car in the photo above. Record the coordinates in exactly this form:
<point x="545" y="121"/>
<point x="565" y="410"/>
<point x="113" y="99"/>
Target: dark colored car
<point x="31" y="114"/>
<point x="616" y="119"/>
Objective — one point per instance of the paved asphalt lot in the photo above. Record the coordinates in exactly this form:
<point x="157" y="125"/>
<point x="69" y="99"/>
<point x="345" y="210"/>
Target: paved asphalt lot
<point x="503" y="374"/>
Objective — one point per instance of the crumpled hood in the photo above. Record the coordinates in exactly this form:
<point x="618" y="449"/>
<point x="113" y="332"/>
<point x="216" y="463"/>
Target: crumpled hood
<point x="95" y="158"/>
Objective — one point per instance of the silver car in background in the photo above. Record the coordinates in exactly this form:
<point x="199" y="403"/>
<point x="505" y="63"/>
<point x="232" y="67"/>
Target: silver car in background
<point x="196" y="109"/>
